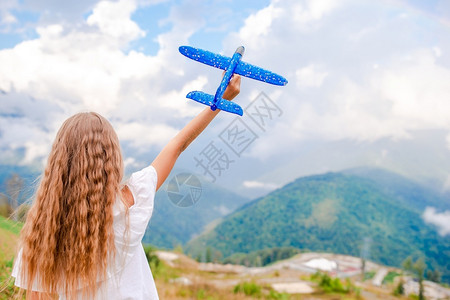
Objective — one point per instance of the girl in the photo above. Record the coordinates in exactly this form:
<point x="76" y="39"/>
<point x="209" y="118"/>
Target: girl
<point x="82" y="236"/>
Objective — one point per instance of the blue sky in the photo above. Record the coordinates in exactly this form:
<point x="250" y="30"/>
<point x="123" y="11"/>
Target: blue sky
<point x="368" y="81"/>
<point x="219" y="17"/>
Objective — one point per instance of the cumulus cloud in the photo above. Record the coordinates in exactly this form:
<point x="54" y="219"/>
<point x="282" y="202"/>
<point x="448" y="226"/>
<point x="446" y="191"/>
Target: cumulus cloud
<point x="306" y="12"/>
<point x="335" y="92"/>
<point x="113" y="19"/>
<point x="258" y="25"/>
<point x="68" y="69"/>
<point x="71" y="68"/>
<point x="440" y="220"/>
<point x="25" y="124"/>
<point x="404" y="96"/>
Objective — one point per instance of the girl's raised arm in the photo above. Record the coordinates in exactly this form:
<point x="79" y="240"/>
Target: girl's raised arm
<point x="166" y="159"/>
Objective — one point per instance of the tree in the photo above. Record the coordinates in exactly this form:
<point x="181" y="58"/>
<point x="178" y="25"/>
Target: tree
<point x="400" y="289"/>
<point x="152" y="258"/>
<point x="217" y="256"/>
<point x="419" y="266"/>
<point x="208" y="256"/>
<point x="178" y="249"/>
<point x="418" y="269"/>
<point x="14" y="188"/>
<point x="258" y="261"/>
<point x="434" y="276"/>
<point x="5" y="207"/>
<point x="407" y="264"/>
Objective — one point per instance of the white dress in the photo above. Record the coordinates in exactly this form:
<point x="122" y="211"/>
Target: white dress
<point x="129" y="276"/>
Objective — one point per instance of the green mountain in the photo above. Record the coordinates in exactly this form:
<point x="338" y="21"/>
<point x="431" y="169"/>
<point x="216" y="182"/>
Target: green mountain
<point x="337" y="212"/>
<point x="173" y="225"/>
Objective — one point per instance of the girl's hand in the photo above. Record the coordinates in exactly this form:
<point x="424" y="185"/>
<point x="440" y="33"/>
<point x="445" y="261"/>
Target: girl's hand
<point x="233" y="88"/>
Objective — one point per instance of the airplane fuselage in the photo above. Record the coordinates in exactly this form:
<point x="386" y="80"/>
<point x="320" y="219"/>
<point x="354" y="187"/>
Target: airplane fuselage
<point x="227" y="76"/>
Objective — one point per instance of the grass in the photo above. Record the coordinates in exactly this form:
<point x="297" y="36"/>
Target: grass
<point x="11" y="226"/>
<point x="254" y="290"/>
<point x="369" y="275"/>
<point x="9" y="236"/>
<point x="389" y="278"/>
<point x="335" y="287"/>
<point x="248" y="288"/>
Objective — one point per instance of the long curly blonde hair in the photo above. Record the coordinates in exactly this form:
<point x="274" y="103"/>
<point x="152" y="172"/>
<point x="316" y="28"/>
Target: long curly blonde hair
<point x="68" y="239"/>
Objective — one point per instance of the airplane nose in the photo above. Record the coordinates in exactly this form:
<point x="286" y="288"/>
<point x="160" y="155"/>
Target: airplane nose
<point x="240" y="50"/>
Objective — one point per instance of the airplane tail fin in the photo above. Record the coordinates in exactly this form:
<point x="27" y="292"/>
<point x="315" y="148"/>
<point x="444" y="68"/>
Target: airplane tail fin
<point x="223" y="104"/>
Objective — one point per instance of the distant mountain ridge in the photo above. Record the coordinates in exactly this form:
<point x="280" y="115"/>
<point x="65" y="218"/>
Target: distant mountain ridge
<point x="407" y="191"/>
<point x="335" y="212"/>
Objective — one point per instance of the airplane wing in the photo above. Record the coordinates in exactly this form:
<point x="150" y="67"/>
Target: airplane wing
<point x="206" y="57"/>
<point x="254" y="72"/>
<point x="223" y="104"/>
<point x="201" y="97"/>
<point x="222" y="62"/>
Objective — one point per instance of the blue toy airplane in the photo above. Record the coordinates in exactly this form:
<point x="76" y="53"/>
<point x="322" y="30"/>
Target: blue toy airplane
<point x="231" y="66"/>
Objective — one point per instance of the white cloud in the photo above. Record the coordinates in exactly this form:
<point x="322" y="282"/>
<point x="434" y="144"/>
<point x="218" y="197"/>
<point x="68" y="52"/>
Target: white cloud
<point x="141" y="136"/>
<point x="437" y="51"/>
<point x="35" y="150"/>
<point x="252" y="184"/>
<point x="314" y="45"/>
<point x="418" y="90"/>
<point x="113" y="19"/>
<point x="310" y="76"/>
<point x="23" y="134"/>
<point x="183" y="108"/>
<point x="86" y="67"/>
<point x="313" y="10"/>
<point x="130" y="162"/>
<point x="222" y="209"/>
<point x="258" y="25"/>
<point x="6" y="17"/>
<point x="440" y="220"/>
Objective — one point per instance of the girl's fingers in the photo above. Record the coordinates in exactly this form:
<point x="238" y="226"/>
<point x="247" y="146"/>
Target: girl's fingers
<point x="233" y="88"/>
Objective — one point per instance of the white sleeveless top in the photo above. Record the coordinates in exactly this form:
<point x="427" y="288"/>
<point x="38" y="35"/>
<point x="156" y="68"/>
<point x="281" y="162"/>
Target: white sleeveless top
<point x="129" y="276"/>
